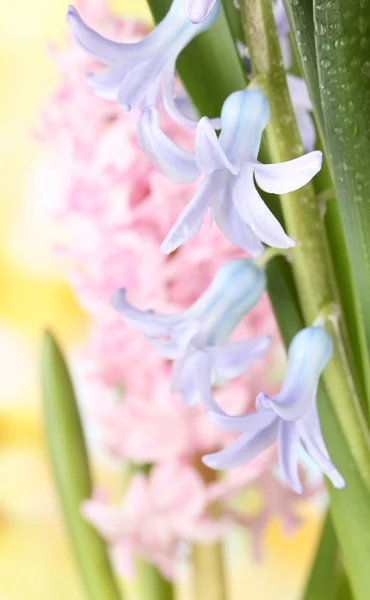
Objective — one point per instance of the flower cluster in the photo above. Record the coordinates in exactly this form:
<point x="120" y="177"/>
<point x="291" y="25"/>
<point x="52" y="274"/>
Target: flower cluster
<point x="115" y="145"/>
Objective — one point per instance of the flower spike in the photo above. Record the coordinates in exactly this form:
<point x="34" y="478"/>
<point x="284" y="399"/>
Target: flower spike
<point x="134" y="72"/>
<point x="291" y="416"/>
<point x="231" y="168"/>
<point x="196" y="339"/>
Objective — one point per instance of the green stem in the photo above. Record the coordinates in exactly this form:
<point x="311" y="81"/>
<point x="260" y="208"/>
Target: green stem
<point x="209" y="579"/>
<point x="312" y="268"/>
<point x="150" y="583"/>
<point x="208" y="568"/>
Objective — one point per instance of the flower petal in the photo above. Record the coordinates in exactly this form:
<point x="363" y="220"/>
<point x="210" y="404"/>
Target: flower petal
<point x="234" y="227"/>
<point x="180" y="110"/>
<point x="288" y="444"/>
<point x="310" y="431"/>
<point x="308" y="355"/>
<point x="191" y="218"/>
<point x="145" y="321"/>
<point x="198" y="10"/>
<point x="234" y="358"/>
<point x="191" y="377"/>
<point x="248" y="423"/>
<point x="102" y="49"/>
<point x="244" y="116"/>
<point x="288" y="176"/>
<point x="255" y="213"/>
<point x="176" y="163"/>
<point x="245" y="448"/>
<point x="209" y="154"/>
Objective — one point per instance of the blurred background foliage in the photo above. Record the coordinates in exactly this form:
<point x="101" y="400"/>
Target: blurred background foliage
<point x="35" y="563"/>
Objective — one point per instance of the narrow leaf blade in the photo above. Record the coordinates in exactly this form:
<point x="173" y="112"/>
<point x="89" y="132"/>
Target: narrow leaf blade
<point x="70" y="466"/>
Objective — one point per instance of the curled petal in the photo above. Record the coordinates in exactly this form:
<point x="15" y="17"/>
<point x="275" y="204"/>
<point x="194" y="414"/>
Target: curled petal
<point x="288" y="444"/>
<point x="255" y="213"/>
<point x="244" y="423"/>
<point x="308" y="355"/>
<point x="209" y="154"/>
<point x="311" y="436"/>
<point x="198" y="10"/>
<point x="176" y="163"/>
<point x="102" y="49"/>
<point x="246" y="447"/>
<point x="234" y="358"/>
<point x="191" y="218"/>
<point x="285" y="177"/>
<point x="145" y="321"/>
<point x="179" y="109"/>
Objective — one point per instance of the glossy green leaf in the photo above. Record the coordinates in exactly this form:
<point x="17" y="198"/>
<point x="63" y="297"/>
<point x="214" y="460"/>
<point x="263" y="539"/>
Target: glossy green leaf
<point x="342" y="38"/>
<point x="350" y="508"/>
<point x="327" y="580"/>
<point x="210" y="67"/>
<point x="300" y="14"/>
<point x="70" y="466"/>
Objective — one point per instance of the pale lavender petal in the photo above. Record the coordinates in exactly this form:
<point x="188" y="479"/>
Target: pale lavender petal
<point x="177" y="164"/>
<point x="311" y="436"/>
<point x="309" y="353"/>
<point x="288" y="445"/>
<point x="138" y="81"/>
<point x="191" y="218"/>
<point x="236" y="287"/>
<point x="299" y="92"/>
<point x="233" y="227"/>
<point x="106" y="83"/>
<point x="288" y="176"/>
<point x="244" y="449"/>
<point x="198" y="10"/>
<point x="306" y="128"/>
<point x="281" y="20"/>
<point x="179" y="109"/>
<point x="178" y="340"/>
<point x="286" y="51"/>
<point x="145" y="321"/>
<point x="235" y="358"/>
<point x="255" y="213"/>
<point x="191" y="377"/>
<point x="102" y="49"/>
<point x="244" y="116"/>
<point x="244" y="423"/>
<point x="209" y="154"/>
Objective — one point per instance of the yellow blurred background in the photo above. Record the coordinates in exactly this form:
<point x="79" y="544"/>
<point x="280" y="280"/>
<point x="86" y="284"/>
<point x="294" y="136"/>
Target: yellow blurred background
<point x="35" y="563"/>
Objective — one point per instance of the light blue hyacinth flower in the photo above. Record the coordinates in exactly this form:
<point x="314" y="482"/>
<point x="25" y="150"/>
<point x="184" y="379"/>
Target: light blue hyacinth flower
<point x="196" y="338"/>
<point x="199" y="10"/>
<point x="135" y="73"/>
<point x="231" y="168"/>
<point x="290" y="417"/>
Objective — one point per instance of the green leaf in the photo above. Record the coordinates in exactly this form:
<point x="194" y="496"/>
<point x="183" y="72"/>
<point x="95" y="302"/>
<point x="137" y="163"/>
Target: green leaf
<point x="210" y="67"/>
<point x="327" y="580"/>
<point x="300" y="14"/>
<point x="66" y="445"/>
<point x="350" y="508"/>
<point x="342" y="38"/>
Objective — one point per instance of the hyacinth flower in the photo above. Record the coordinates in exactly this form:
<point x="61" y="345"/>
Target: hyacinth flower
<point x="198" y="10"/>
<point x="231" y="169"/>
<point x="290" y="417"/>
<point x="195" y="339"/>
<point x="135" y="72"/>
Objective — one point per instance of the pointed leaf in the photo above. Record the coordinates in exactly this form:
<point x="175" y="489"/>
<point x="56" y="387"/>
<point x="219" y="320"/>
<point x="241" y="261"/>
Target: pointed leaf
<point x="66" y="445"/>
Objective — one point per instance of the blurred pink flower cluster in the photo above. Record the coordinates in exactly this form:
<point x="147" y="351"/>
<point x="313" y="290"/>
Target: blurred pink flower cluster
<point x="113" y="212"/>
